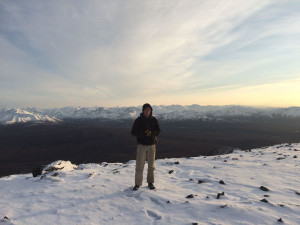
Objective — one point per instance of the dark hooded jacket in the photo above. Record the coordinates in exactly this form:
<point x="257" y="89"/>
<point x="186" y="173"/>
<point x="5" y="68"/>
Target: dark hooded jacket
<point x="141" y="125"/>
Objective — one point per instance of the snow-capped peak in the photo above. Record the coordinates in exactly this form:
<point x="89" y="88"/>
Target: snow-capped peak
<point x="172" y="112"/>
<point x="9" y="116"/>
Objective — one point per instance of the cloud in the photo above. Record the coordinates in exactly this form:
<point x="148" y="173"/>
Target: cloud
<point x="120" y="53"/>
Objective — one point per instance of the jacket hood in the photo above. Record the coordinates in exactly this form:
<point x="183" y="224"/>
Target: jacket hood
<point x="147" y="105"/>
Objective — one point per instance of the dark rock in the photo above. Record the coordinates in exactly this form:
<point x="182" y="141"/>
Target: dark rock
<point x="201" y="181"/>
<point x="171" y="171"/>
<point x="190" y="196"/>
<point x="223" y="206"/>
<point x="221" y="182"/>
<point x="266" y="196"/>
<point x="6" y="218"/>
<point x="264" y="200"/>
<point x="235" y="159"/>
<point x="280" y="220"/>
<point x="168" y="202"/>
<point x="53" y="168"/>
<point x="91" y="174"/>
<point x="37" y="171"/>
<point x="176" y="163"/>
<point x="297" y="193"/>
<point x="281" y="205"/>
<point x="295" y="157"/>
<point x="225" y="160"/>
<point x="220" y="194"/>
<point x="264" y="188"/>
<point x="280" y="158"/>
<point x="194" y="223"/>
<point x="55" y="175"/>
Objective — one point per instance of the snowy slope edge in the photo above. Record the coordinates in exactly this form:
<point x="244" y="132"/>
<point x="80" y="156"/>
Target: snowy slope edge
<point x="259" y="186"/>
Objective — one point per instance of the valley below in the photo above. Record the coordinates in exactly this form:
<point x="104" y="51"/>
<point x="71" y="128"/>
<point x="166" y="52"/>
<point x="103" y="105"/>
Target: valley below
<point x="27" y="145"/>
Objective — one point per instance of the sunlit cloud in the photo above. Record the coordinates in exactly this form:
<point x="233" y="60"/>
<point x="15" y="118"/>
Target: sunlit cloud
<point x="112" y="53"/>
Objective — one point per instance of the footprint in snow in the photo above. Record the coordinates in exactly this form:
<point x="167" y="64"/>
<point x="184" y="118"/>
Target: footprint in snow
<point x="155" y="201"/>
<point x="154" y="215"/>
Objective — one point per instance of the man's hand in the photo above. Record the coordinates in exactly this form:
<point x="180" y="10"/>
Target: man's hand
<point x="148" y="133"/>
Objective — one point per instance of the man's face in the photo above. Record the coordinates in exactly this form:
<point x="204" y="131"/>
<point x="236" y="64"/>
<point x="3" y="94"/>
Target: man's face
<point x="147" y="112"/>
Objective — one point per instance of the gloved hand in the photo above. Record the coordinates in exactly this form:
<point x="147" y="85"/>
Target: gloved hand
<point x="148" y="133"/>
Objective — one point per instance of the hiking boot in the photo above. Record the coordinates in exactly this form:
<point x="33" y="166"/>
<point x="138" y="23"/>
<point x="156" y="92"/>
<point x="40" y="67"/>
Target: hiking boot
<point x="136" y="187"/>
<point x="151" y="186"/>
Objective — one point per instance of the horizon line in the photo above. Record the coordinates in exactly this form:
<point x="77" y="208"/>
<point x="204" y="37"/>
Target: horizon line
<point x="108" y="107"/>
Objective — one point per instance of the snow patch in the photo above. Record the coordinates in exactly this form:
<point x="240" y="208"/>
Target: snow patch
<point x="257" y="188"/>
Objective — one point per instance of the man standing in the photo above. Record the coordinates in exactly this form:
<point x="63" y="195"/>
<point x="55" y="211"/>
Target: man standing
<point x="146" y="130"/>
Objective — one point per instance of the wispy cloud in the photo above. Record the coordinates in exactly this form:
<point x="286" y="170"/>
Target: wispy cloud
<point x="119" y="53"/>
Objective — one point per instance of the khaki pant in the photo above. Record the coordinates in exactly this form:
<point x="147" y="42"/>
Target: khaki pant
<point x="145" y="152"/>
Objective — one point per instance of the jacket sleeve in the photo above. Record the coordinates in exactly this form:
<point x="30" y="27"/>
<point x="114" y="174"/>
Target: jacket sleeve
<point x="134" y="129"/>
<point x="156" y="127"/>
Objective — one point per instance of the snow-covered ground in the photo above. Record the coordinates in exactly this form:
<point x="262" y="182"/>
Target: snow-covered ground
<point x="101" y="193"/>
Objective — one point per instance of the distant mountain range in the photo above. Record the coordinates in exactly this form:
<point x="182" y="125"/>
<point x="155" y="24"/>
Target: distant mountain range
<point x="172" y="112"/>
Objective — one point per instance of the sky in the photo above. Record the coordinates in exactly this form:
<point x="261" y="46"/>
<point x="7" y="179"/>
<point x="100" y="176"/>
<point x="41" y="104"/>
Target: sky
<point x="125" y="53"/>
